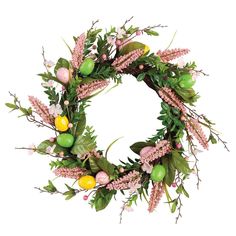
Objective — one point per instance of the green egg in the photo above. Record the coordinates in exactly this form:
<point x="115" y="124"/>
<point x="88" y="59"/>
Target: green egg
<point x="87" y="66"/>
<point x="158" y="173"/>
<point x="186" y="81"/>
<point x="65" y="140"/>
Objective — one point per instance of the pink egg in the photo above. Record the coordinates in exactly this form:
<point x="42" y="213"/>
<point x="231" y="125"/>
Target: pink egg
<point x="102" y="177"/>
<point x="63" y="75"/>
<point x="145" y="150"/>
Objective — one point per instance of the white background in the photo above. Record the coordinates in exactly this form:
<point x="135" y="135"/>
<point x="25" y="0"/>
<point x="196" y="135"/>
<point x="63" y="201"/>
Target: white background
<point x="206" y="27"/>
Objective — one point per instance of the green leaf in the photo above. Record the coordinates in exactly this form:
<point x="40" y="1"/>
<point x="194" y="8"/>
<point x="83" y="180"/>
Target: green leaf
<point x="79" y="121"/>
<point x="180" y="163"/>
<point x="137" y="147"/>
<point x="93" y="165"/>
<point x="42" y="147"/>
<point x="174" y="205"/>
<point x="106" y="166"/>
<point x="212" y="139"/>
<point x="141" y="76"/>
<point x="10" y="105"/>
<point x="102" y="198"/>
<point x="151" y="32"/>
<point x="170" y="170"/>
<point x="85" y="143"/>
<point x="61" y="63"/>
<point x="50" y="187"/>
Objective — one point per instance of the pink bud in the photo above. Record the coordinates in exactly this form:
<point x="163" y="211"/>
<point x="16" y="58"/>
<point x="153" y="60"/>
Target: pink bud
<point x="66" y="102"/>
<point x="52" y="139"/>
<point x="178" y="145"/>
<point x="104" y="57"/>
<point x="70" y="125"/>
<point x="102" y="177"/>
<point x="174" y="185"/>
<point x="145" y="150"/>
<point x="121" y="170"/>
<point x="85" y="197"/>
<point x="139" y="32"/>
<point x="182" y="118"/>
<point x="61" y="154"/>
<point x="118" y="42"/>
<point x="63" y="75"/>
<point x="141" y="67"/>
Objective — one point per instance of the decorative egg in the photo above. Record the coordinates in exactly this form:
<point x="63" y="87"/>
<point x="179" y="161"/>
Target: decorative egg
<point x="61" y="123"/>
<point x="63" y="75"/>
<point x="145" y="150"/>
<point x="186" y="81"/>
<point x="65" y="140"/>
<point x="87" y="182"/>
<point x="87" y="66"/>
<point x="102" y="177"/>
<point x="158" y="173"/>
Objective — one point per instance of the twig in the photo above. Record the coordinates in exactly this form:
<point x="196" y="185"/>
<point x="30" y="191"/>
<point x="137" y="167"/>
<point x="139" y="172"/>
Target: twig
<point x="45" y="191"/>
<point x="178" y="199"/>
<point x="127" y="21"/>
<point x="92" y="26"/>
<point x="44" y="60"/>
<point x="201" y="71"/>
<point x="123" y="207"/>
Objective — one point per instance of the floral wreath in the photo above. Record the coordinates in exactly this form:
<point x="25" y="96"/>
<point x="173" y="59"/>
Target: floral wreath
<point x="161" y="162"/>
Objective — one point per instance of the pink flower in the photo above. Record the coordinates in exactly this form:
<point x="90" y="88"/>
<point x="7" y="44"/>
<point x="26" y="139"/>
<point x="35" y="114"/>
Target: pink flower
<point x="134" y="186"/>
<point x="147" y="167"/>
<point x="50" y="149"/>
<point x="48" y="84"/>
<point x="128" y="208"/>
<point x="55" y="110"/>
<point x="32" y="149"/>
<point x="194" y="74"/>
<point x="120" y="33"/>
<point x="111" y="40"/>
<point x="181" y="63"/>
<point x="49" y="64"/>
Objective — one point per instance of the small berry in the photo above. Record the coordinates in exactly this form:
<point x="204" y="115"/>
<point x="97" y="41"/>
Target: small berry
<point x="85" y="197"/>
<point x="118" y="42"/>
<point x="141" y="67"/>
<point x="70" y="125"/>
<point x="61" y="154"/>
<point x="183" y="118"/>
<point x="104" y="57"/>
<point x="174" y="185"/>
<point x="139" y="32"/>
<point x="121" y="170"/>
<point x="66" y="102"/>
<point x="178" y="145"/>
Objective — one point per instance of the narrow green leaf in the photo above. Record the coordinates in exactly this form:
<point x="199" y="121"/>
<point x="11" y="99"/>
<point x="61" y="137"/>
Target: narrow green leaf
<point x="10" y="105"/>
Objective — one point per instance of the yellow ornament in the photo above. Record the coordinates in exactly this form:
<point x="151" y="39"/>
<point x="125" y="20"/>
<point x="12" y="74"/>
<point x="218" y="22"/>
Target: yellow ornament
<point x="87" y="182"/>
<point x="61" y="123"/>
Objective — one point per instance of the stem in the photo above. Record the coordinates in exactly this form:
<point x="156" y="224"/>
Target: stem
<point x="123" y="206"/>
<point x="178" y="199"/>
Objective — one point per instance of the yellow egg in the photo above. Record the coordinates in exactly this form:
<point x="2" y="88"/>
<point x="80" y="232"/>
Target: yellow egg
<point x="87" y="182"/>
<point x="61" y="123"/>
<point x="146" y="49"/>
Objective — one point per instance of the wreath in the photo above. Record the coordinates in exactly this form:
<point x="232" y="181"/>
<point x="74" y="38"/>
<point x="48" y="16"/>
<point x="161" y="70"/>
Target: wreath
<point x="162" y="162"/>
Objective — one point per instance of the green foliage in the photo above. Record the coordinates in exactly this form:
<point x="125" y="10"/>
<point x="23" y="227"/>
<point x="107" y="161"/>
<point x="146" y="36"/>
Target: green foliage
<point x="42" y="147"/>
<point x="71" y="94"/>
<point x="68" y="163"/>
<point x="137" y="147"/>
<point x="90" y="40"/>
<point x="181" y="190"/>
<point x="102" y="198"/>
<point x="151" y="32"/>
<point x="105" y="165"/>
<point x="93" y="164"/>
<point x="70" y="193"/>
<point x="53" y="96"/>
<point x="85" y="143"/>
<point x="50" y="187"/>
<point x="61" y="63"/>
<point x="180" y="163"/>
<point x="167" y="162"/>
<point x="212" y="139"/>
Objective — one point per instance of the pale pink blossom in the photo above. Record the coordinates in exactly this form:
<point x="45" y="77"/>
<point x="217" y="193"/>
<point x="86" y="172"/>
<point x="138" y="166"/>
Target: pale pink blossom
<point x="134" y="186"/>
<point x="50" y="149"/>
<point x="194" y="74"/>
<point x="31" y="149"/>
<point x="128" y="208"/>
<point x="111" y="40"/>
<point x="48" y="84"/>
<point x="49" y="63"/>
<point x="55" y="110"/>
<point x="181" y="63"/>
<point x="147" y="167"/>
<point x="120" y="33"/>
